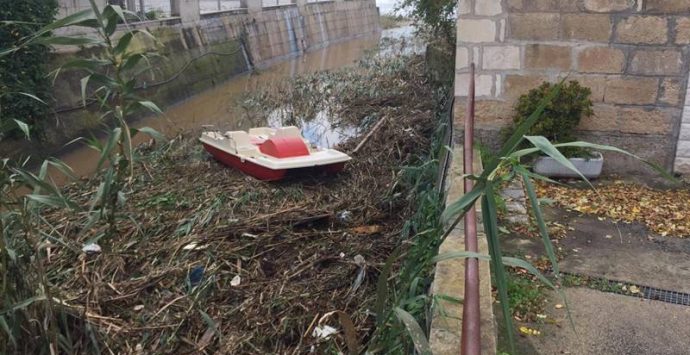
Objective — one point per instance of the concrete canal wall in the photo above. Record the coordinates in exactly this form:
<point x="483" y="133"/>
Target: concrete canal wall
<point x="199" y="50"/>
<point x="633" y="54"/>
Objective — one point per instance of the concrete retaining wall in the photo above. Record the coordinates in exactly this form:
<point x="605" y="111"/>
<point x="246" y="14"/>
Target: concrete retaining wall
<point x="633" y="54"/>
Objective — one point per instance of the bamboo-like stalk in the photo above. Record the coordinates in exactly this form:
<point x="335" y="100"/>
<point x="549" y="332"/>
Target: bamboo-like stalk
<point x="471" y="343"/>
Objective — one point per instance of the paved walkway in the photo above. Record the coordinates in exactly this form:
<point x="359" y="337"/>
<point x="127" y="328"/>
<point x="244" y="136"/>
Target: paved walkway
<point x="609" y="323"/>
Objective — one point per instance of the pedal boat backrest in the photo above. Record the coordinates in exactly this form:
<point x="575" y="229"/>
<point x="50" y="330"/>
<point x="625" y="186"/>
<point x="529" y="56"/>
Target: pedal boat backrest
<point x="289" y="131"/>
<point x="263" y="132"/>
<point x="292" y="131"/>
<point x="241" y="143"/>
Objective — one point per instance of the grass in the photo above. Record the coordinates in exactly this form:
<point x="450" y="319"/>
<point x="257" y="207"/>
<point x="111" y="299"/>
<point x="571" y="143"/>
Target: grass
<point x="596" y="283"/>
<point x="527" y="296"/>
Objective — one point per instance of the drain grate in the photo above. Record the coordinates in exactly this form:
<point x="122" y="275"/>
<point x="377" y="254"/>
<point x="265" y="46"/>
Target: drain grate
<point x="644" y="292"/>
<point x="667" y="296"/>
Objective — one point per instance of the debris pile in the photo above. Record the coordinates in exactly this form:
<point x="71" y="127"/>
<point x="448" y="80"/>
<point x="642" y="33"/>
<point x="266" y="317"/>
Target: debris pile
<point x="208" y="260"/>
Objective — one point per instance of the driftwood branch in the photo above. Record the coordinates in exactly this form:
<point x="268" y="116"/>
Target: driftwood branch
<point x="366" y="138"/>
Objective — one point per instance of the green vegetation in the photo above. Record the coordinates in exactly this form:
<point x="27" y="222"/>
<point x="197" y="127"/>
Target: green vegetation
<point x="599" y="284"/>
<point x="561" y="116"/>
<point x="436" y="18"/>
<point x="23" y="72"/>
<point x="406" y="297"/>
<point x="34" y="318"/>
<point x="115" y="92"/>
<point x="527" y="296"/>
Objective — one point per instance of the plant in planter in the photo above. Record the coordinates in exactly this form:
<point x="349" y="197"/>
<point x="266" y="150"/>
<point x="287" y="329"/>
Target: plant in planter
<point x="557" y="124"/>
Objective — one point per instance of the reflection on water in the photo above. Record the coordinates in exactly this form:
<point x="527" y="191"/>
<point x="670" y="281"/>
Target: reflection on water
<point x="218" y="106"/>
<point x="322" y="130"/>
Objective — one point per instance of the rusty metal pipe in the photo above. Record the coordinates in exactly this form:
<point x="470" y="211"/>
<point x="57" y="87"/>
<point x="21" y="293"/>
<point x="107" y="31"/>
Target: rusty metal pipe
<point x="471" y="339"/>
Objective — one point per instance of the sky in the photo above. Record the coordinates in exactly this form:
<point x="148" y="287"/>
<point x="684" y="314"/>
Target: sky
<point x="386" y="6"/>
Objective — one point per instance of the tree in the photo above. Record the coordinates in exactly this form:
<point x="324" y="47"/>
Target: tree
<point x="23" y="71"/>
<point x="436" y="17"/>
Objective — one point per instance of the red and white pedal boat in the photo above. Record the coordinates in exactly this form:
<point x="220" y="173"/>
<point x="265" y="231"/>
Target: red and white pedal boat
<point x="271" y="153"/>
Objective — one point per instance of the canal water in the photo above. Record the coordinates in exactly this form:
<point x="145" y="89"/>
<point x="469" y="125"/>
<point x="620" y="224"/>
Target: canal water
<point x="220" y="108"/>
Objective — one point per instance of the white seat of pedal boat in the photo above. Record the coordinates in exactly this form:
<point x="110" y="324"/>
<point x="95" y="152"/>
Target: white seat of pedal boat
<point x="289" y="131"/>
<point x="263" y="132"/>
<point x="215" y="135"/>
<point x="242" y="144"/>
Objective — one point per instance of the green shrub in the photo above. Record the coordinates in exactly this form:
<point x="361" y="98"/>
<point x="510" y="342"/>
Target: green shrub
<point x="561" y="116"/>
<point x="23" y="70"/>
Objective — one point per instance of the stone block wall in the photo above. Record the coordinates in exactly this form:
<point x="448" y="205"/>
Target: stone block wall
<point x="633" y="54"/>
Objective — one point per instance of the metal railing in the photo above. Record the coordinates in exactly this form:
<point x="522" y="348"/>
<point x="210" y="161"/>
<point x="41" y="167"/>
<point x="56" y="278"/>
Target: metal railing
<point x="471" y="333"/>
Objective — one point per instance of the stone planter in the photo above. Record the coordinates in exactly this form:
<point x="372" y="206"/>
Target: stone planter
<point x="590" y="168"/>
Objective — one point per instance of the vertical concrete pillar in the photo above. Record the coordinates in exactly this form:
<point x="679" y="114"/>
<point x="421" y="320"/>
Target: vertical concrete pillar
<point x="252" y="6"/>
<point x="187" y="10"/>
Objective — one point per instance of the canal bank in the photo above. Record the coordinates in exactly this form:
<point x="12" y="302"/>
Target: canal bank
<point x="203" y="258"/>
<point x="202" y="53"/>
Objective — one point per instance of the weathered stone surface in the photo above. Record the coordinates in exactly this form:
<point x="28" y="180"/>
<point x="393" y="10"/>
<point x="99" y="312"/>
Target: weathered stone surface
<point x="682" y="30"/>
<point x="515" y="85"/>
<point x="569" y="5"/>
<point x="670" y="92"/>
<point x="534" y="26"/>
<point x="656" y="62"/>
<point x="667" y="6"/>
<point x="684" y="132"/>
<point x="502" y="30"/>
<point x="517" y="5"/>
<point x="636" y="91"/>
<point x="461" y="58"/>
<point x="539" y="5"/>
<point x="488" y="7"/>
<point x="587" y="27"/>
<point x="488" y="113"/>
<point x="476" y="31"/>
<point x="682" y="165"/>
<point x="605" y="118"/>
<point x="501" y="57"/>
<point x="483" y="84"/>
<point x="600" y="60"/>
<point x="683" y="149"/>
<point x="542" y="56"/>
<point x="643" y="30"/>
<point x="608" y="5"/>
<point x="464" y="7"/>
<point x="494" y="113"/>
<point x="645" y="121"/>
<point x="596" y="83"/>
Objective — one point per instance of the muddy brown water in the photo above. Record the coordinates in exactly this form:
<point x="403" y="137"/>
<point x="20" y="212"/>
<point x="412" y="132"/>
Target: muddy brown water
<point x="219" y="107"/>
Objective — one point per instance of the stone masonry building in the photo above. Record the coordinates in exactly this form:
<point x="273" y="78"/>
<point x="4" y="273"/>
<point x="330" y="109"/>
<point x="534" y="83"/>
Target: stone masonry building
<point x="633" y="54"/>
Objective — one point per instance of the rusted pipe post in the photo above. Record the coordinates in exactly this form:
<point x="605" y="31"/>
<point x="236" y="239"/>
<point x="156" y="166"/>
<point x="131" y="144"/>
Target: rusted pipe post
<point x="471" y="339"/>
